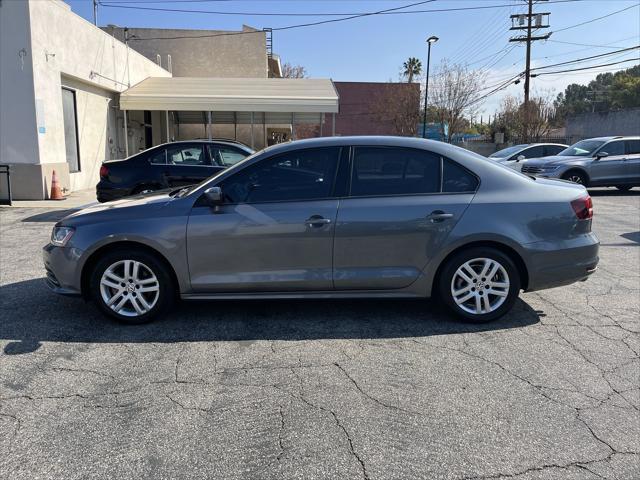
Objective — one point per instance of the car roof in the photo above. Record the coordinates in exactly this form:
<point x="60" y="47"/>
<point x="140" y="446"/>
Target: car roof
<point x="223" y="141"/>
<point x="606" y="139"/>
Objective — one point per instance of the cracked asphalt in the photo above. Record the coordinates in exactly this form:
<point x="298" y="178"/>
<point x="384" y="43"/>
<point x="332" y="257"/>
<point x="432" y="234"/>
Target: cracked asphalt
<point x="323" y="389"/>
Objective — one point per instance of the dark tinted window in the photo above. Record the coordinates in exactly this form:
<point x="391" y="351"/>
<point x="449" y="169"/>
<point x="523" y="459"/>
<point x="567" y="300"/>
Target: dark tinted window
<point x="533" y="152"/>
<point x="158" y="157"/>
<point x="394" y="171"/>
<point x="613" y="148"/>
<point x="633" y="147"/>
<point x="456" y="179"/>
<point x="299" y="175"/>
<point x="186" y="155"/>
<point x="552" y="150"/>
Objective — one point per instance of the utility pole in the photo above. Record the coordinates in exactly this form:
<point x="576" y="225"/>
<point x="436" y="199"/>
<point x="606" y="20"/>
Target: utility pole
<point x="526" y="22"/>
<point x="95" y="12"/>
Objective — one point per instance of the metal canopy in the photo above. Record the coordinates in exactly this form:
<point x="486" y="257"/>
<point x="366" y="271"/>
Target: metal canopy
<point x="301" y="95"/>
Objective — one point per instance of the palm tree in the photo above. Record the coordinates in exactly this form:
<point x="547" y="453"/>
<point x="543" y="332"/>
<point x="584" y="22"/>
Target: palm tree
<point x="411" y="67"/>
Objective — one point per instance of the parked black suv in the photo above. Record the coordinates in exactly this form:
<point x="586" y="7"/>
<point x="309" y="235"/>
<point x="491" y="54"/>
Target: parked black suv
<point x="169" y="165"/>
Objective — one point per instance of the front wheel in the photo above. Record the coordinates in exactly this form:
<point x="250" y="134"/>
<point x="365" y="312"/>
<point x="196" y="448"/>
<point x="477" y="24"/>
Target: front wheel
<point x="131" y="286"/>
<point x="479" y="284"/>
<point x="576" y="177"/>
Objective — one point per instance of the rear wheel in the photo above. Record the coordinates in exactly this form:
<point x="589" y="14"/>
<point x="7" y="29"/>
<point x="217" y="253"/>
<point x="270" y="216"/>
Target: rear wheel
<point x="576" y="177"/>
<point x="479" y="284"/>
<point x="131" y="286"/>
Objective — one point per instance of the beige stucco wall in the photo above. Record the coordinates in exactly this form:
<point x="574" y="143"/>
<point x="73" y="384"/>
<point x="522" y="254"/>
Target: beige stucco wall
<point x="89" y="61"/>
<point x="224" y="55"/>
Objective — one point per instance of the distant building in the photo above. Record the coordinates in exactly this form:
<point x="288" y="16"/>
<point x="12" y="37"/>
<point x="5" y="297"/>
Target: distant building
<point x="377" y="108"/>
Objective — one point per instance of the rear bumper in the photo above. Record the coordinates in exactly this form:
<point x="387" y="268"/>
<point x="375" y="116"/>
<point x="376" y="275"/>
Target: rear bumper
<point x="61" y="266"/>
<point x="550" y="266"/>
<point x="107" y="193"/>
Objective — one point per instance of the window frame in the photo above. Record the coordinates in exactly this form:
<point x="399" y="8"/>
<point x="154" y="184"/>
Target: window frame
<point x="441" y="173"/>
<point x="75" y="120"/>
<point x="332" y="196"/>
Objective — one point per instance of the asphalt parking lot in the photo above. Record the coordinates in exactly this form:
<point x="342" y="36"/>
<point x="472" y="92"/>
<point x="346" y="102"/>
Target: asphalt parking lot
<point x="323" y="389"/>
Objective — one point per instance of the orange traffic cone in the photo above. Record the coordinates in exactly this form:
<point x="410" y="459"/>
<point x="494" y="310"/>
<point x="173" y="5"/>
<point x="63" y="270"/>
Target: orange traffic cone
<point x="56" y="191"/>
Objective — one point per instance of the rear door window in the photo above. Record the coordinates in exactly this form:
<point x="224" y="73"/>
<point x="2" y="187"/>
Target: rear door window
<point x="187" y="155"/>
<point x="226" y="156"/>
<point x="378" y="171"/>
<point x="456" y="179"/>
<point x="532" y="152"/>
<point x="633" y="147"/>
<point x="158" y="157"/>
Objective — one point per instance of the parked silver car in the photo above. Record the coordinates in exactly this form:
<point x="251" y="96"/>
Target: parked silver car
<point x="332" y="218"/>
<point x="514" y="155"/>
<point x="596" y="162"/>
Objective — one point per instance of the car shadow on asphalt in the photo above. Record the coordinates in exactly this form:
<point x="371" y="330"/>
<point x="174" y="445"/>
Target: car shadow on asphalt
<point x="31" y="314"/>
<point x="614" y="192"/>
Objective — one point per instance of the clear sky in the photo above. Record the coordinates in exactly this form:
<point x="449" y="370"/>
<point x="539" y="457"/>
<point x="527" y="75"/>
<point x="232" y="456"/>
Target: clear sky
<point x="373" y="48"/>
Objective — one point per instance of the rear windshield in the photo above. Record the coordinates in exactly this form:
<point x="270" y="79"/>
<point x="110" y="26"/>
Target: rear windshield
<point x="505" y="152"/>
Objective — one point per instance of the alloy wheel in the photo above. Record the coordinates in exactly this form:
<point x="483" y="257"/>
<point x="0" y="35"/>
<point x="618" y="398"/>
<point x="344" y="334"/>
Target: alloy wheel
<point x="575" y="179"/>
<point x="129" y="288"/>
<point x="480" y="286"/>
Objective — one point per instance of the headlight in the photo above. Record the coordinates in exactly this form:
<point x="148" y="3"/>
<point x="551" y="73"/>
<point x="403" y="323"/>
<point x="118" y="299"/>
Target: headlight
<point x="61" y="235"/>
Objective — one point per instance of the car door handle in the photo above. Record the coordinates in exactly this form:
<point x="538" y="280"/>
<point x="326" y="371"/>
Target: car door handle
<point x="317" y="221"/>
<point x="439" y="216"/>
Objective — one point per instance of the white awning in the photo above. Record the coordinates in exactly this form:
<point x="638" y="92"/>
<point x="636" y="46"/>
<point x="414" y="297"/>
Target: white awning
<point x="302" y="95"/>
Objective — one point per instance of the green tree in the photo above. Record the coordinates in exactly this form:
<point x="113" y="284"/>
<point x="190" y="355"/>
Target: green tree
<point x="412" y="67"/>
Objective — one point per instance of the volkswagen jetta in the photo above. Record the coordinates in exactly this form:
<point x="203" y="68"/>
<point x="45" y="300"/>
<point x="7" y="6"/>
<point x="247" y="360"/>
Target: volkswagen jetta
<point x="332" y="218"/>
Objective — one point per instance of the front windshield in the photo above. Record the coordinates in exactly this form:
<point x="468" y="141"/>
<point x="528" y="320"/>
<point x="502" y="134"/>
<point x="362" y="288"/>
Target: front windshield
<point x="583" y="148"/>
<point x="505" y="152"/>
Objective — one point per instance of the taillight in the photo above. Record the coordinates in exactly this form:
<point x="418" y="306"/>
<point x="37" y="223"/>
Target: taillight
<point x="583" y="207"/>
<point x="104" y="171"/>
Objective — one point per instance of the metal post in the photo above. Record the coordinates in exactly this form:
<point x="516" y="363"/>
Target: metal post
<point x="252" y="139"/>
<point x="209" y="125"/>
<point x="264" y="129"/>
<point x="126" y="136"/>
<point x="321" y="122"/>
<point x="95" y="12"/>
<point x="235" y="125"/>
<point x="167" y="116"/>
<point x="293" y="126"/>
<point x="426" y="93"/>
<point x="333" y="126"/>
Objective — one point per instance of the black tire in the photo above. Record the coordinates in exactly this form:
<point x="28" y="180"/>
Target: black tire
<point x="166" y="289"/>
<point x="446" y="277"/>
<point x="576" y="176"/>
<point x="624" y="188"/>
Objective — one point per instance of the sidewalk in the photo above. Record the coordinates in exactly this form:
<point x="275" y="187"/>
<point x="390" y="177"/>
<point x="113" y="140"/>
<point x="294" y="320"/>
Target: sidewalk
<point x="79" y="199"/>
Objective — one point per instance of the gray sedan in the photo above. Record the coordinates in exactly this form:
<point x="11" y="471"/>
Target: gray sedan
<point x="596" y="162"/>
<point x="346" y="217"/>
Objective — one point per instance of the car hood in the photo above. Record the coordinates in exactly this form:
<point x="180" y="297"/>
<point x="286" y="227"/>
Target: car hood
<point x="553" y="160"/>
<point x="137" y="206"/>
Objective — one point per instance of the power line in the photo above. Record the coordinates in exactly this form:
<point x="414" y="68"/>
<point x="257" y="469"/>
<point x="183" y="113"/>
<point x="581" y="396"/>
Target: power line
<point x="121" y="4"/>
<point x="596" y="19"/>
<point x="578" y="60"/>
<point x="606" y="45"/>
<point x="585" y="68"/>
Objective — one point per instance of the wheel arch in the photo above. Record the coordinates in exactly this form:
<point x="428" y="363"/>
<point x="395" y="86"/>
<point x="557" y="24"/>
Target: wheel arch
<point x="129" y="245"/>
<point x="502" y="247"/>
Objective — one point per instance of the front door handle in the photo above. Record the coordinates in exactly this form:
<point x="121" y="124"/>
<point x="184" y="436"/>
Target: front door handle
<point x="439" y="216"/>
<point x="317" y="221"/>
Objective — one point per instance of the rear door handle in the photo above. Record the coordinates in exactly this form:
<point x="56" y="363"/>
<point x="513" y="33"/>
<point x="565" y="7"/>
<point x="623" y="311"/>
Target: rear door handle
<point x="317" y="221"/>
<point x="439" y="216"/>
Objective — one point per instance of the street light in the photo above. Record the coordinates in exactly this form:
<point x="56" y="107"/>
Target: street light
<point x="430" y="40"/>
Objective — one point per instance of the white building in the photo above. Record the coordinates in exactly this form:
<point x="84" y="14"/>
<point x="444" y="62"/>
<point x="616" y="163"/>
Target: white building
<point x="59" y="82"/>
<point x="61" y="108"/>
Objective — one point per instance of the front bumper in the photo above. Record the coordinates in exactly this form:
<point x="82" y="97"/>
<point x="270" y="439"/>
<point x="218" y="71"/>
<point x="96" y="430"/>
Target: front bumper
<point x="550" y="266"/>
<point x="61" y="266"/>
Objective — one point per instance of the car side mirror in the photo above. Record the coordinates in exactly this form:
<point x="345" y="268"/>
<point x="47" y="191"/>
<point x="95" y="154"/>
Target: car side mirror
<point x="213" y="196"/>
<point x="520" y="157"/>
<point x="600" y="155"/>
